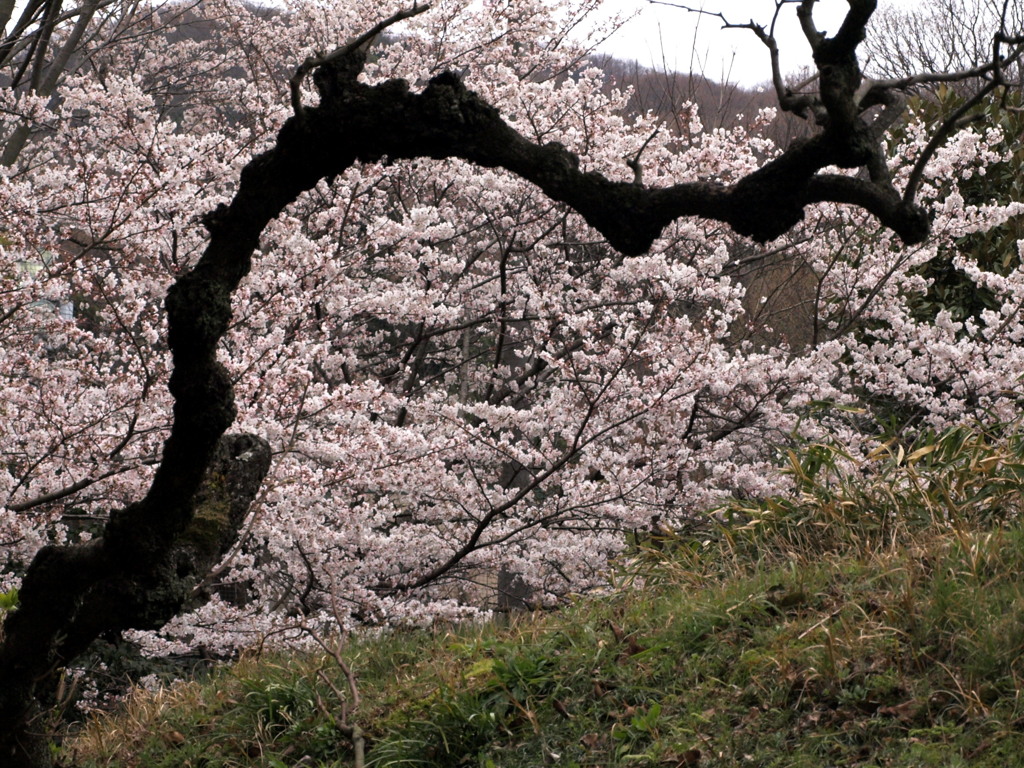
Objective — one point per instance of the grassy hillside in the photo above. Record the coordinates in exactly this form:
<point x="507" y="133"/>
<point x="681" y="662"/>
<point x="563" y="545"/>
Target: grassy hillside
<point x="870" y="621"/>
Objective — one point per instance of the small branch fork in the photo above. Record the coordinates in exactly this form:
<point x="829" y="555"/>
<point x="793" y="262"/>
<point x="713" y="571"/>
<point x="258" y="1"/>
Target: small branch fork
<point x="361" y="43"/>
<point x="790" y="99"/>
<point x="633" y="163"/>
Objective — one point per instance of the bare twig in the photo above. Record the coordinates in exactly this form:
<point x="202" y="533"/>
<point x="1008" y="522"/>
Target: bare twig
<point x="995" y="70"/>
<point x="634" y="162"/>
<point x="347" y="704"/>
<point x="85" y="482"/>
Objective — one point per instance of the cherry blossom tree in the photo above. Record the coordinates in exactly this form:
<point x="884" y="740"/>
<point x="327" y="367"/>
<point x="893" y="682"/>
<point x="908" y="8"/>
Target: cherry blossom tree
<point x="483" y="321"/>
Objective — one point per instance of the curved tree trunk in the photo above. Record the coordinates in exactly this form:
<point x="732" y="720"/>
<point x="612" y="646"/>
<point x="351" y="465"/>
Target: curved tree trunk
<point x="72" y="594"/>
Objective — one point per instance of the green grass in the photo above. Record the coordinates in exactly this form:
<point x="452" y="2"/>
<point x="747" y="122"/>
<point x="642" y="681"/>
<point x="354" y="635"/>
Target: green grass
<point x="872" y="621"/>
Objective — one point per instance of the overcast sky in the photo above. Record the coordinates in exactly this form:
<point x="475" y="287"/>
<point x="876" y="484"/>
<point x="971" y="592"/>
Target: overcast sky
<point x="664" y="36"/>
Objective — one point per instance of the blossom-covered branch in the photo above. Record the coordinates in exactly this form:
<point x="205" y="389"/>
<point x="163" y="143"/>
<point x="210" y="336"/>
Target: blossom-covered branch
<point x="355" y="122"/>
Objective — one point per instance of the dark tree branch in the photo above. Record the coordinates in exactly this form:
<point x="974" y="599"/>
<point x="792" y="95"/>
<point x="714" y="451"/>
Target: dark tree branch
<point x="994" y="71"/>
<point x="846" y="96"/>
<point x="359" y="123"/>
<point x="949" y="126"/>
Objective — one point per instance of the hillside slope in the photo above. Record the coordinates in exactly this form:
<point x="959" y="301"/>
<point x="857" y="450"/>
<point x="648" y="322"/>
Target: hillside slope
<point x="869" y="619"/>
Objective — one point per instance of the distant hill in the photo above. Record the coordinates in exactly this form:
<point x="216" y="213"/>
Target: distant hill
<point x="720" y="105"/>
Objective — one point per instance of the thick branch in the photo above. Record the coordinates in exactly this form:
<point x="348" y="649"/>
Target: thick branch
<point x="355" y="122"/>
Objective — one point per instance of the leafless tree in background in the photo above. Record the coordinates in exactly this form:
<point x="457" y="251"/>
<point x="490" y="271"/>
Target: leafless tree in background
<point x="939" y="36"/>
